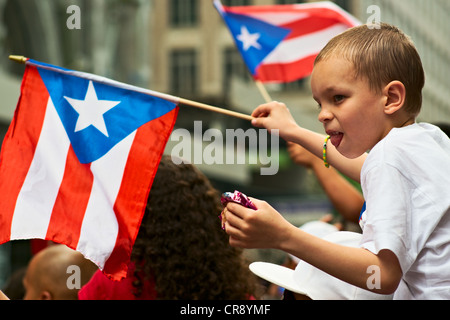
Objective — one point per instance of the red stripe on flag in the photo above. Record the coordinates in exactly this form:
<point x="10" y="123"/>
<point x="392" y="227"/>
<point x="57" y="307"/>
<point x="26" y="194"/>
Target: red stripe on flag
<point x="308" y="25"/>
<point x="23" y="133"/>
<point x="143" y="162"/>
<point x="339" y="16"/>
<point x="286" y="8"/>
<point x="285" y="72"/>
<point x="71" y="202"/>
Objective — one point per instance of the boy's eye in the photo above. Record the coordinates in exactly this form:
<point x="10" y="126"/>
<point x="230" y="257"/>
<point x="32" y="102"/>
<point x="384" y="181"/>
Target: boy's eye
<point x="338" y="98"/>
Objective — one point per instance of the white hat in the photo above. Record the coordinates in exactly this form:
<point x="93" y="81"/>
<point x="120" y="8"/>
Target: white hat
<point x="317" y="228"/>
<point x="313" y="282"/>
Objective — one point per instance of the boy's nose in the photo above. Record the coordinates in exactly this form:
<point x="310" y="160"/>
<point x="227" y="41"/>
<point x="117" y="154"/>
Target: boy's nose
<point x="325" y="115"/>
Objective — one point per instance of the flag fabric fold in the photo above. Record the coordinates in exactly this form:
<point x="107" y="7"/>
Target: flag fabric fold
<point x="279" y="43"/>
<point x="78" y="162"/>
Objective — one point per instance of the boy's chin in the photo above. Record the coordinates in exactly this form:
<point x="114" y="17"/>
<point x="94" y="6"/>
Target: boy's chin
<point x="350" y="154"/>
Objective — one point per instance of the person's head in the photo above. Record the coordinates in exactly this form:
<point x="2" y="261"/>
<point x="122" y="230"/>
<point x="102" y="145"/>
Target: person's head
<point x="181" y="245"/>
<point x="376" y="71"/>
<point x="48" y="272"/>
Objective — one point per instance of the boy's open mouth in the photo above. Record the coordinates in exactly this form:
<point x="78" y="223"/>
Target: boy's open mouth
<point x="335" y="137"/>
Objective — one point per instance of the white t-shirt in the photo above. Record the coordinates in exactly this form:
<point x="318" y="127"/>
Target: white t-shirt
<point x="406" y="185"/>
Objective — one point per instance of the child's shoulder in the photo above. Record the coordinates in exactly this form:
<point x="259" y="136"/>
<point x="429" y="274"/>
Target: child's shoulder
<point x="416" y="143"/>
<point x="415" y="137"/>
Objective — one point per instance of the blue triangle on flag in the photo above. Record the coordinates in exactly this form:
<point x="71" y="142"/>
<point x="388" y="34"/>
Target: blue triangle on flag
<point x="90" y="144"/>
<point x="269" y="37"/>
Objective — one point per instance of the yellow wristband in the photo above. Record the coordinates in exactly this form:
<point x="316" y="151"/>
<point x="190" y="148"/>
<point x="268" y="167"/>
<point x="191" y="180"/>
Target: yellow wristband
<point x="325" y="162"/>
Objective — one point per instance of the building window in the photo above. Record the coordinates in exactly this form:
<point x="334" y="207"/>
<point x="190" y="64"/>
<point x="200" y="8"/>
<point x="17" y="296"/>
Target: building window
<point x="183" y="13"/>
<point x="289" y="1"/>
<point x="294" y="85"/>
<point x="234" y="65"/>
<point x="231" y="3"/>
<point x="344" y="4"/>
<point x="233" y="68"/>
<point x="183" y="72"/>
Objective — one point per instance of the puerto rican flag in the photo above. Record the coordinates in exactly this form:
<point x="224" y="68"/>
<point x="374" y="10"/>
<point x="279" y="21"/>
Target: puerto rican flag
<point x="280" y="42"/>
<point x="78" y="162"/>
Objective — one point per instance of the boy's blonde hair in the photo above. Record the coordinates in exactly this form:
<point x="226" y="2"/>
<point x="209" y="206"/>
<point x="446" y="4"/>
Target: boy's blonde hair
<point x="381" y="55"/>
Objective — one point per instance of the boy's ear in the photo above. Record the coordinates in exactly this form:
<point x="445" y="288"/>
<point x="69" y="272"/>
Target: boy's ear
<point x="45" y="295"/>
<point x="395" y="93"/>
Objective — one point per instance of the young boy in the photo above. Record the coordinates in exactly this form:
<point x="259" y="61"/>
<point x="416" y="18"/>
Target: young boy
<point x="368" y="85"/>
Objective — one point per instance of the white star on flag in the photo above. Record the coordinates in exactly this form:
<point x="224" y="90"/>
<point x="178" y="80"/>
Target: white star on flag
<point x="249" y="39"/>
<point x="91" y="110"/>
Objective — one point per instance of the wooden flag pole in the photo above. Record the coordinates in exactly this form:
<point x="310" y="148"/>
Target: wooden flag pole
<point x="191" y="103"/>
<point x="263" y="91"/>
<point x="215" y="109"/>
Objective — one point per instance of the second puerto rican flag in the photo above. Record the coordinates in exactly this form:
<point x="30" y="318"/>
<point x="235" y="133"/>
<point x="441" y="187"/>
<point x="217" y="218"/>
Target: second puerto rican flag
<point x="280" y="42"/>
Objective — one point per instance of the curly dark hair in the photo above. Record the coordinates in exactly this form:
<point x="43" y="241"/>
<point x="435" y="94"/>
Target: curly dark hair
<point x="186" y="253"/>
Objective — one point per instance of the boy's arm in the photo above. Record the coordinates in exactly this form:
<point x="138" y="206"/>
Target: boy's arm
<point x="349" y="264"/>
<point x="266" y="228"/>
<point x="276" y="116"/>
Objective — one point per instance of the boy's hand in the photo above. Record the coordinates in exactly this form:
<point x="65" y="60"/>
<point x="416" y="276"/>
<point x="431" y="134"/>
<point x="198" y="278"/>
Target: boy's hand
<point x="275" y="115"/>
<point x="247" y="228"/>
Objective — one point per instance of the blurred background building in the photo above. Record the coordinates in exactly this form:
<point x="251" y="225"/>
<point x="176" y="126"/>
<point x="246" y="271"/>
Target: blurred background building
<point x="182" y="47"/>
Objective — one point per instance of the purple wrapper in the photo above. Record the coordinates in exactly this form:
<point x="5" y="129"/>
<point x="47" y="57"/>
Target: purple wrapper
<point x="239" y="198"/>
